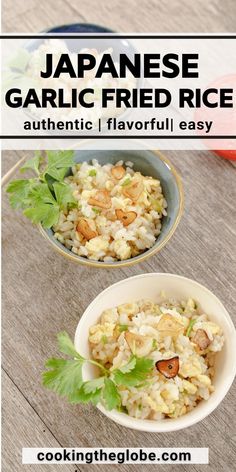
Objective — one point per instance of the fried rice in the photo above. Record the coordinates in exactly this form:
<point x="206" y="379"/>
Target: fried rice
<point x="181" y="340"/>
<point x="118" y="212"/>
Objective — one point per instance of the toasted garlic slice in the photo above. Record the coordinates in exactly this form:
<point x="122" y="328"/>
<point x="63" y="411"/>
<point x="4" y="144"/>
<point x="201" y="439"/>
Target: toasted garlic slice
<point x="201" y="339"/>
<point x="126" y="217"/>
<point x="84" y="228"/>
<point x="111" y="216"/>
<point x="101" y="199"/>
<point x="139" y="345"/>
<point x="133" y="190"/>
<point x="169" y="326"/>
<point x="168" y="367"/>
<point x="118" y="172"/>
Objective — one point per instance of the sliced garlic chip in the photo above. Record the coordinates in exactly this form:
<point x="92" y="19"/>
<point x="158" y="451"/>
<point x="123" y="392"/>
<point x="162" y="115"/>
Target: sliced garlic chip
<point x="139" y="345"/>
<point x="126" y="217"/>
<point x="118" y="172"/>
<point x="84" y="228"/>
<point x="101" y="199"/>
<point x="134" y="189"/>
<point x="169" y="326"/>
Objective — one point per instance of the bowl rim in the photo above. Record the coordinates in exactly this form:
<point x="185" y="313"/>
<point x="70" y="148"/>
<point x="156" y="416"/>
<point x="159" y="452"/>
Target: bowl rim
<point x="183" y="421"/>
<point x="148" y="253"/>
<point x="106" y="30"/>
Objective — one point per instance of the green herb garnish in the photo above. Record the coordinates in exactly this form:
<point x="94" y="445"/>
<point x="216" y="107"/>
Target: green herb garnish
<point x="92" y="173"/>
<point x="96" y="210"/>
<point x="126" y="182"/>
<point x="104" y="339"/>
<point x="190" y="327"/>
<point x="139" y="368"/>
<point x="65" y="377"/>
<point x="41" y="198"/>
<point x="154" y="344"/>
<point x="123" y="327"/>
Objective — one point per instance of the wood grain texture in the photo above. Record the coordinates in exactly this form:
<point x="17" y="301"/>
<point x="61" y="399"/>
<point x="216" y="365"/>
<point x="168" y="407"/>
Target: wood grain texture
<point x="19" y="417"/>
<point x="43" y="293"/>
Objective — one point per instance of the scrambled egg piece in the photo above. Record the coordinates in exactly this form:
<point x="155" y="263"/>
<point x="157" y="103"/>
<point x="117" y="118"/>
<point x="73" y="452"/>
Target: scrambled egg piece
<point x="129" y="309"/>
<point x="120" y="203"/>
<point x="210" y="326"/>
<point x="189" y="387"/>
<point x="109" y="316"/>
<point x="190" y="368"/>
<point x="122" y="249"/>
<point x="203" y="379"/>
<point x="86" y="194"/>
<point x="97" y="244"/>
<point x="171" y="393"/>
<point x="159" y="404"/>
<point x="109" y="185"/>
<point x="97" y="332"/>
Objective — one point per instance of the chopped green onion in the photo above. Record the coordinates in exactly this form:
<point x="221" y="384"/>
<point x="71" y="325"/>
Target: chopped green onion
<point x="92" y="173"/>
<point x="123" y="327"/>
<point x="96" y="210"/>
<point x="122" y="409"/>
<point x="156" y="204"/>
<point x="104" y="339"/>
<point x="190" y="327"/>
<point x="126" y="182"/>
<point x="154" y="344"/>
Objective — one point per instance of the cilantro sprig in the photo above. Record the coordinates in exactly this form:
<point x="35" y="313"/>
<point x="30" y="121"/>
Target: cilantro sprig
<point x="65" y="377"/>
<point x="41" y="198"/>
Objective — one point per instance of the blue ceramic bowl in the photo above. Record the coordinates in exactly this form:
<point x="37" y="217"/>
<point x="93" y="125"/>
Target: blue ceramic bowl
<point x="118" y="44"/>
<point x="151" y="163"/>
<point x="79" y="28"/>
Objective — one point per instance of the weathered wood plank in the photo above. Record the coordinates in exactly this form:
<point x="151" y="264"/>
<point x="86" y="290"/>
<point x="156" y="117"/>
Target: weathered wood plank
<point x="44" y="294"/>
<point x="146" y="16"/>
<point x="22" y="428"/>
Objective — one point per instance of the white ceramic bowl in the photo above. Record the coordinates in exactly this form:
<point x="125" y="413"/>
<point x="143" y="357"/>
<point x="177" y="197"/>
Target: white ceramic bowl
<point x="149" y="286"/>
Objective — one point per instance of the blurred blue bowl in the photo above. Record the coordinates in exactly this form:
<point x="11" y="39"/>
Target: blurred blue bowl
<point x="151" y="163"/>
<point x="79" y="28"/>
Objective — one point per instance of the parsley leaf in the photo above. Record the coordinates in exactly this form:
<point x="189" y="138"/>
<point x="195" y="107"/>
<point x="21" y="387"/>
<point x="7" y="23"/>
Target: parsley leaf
<point x="79" y="396"/>
<point x="44" y="213"/>
<point x="32" y="164"/>
<point x="63" y="194"/>
<point x="129" y="366"/>
<point x="111" y="395"/>
<point x="65" y="376"/>
<point x="40" y="193"/>
<point x="43" y="197"/>
<point x="67" y="346"/>
<point x="58" y="163"/>
<point x="137" y="374"/>
<point x="92" y="385"/>
<point x="19" y="190"/>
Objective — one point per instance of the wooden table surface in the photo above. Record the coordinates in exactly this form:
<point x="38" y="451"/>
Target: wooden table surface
<point x="43" y="293"/>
